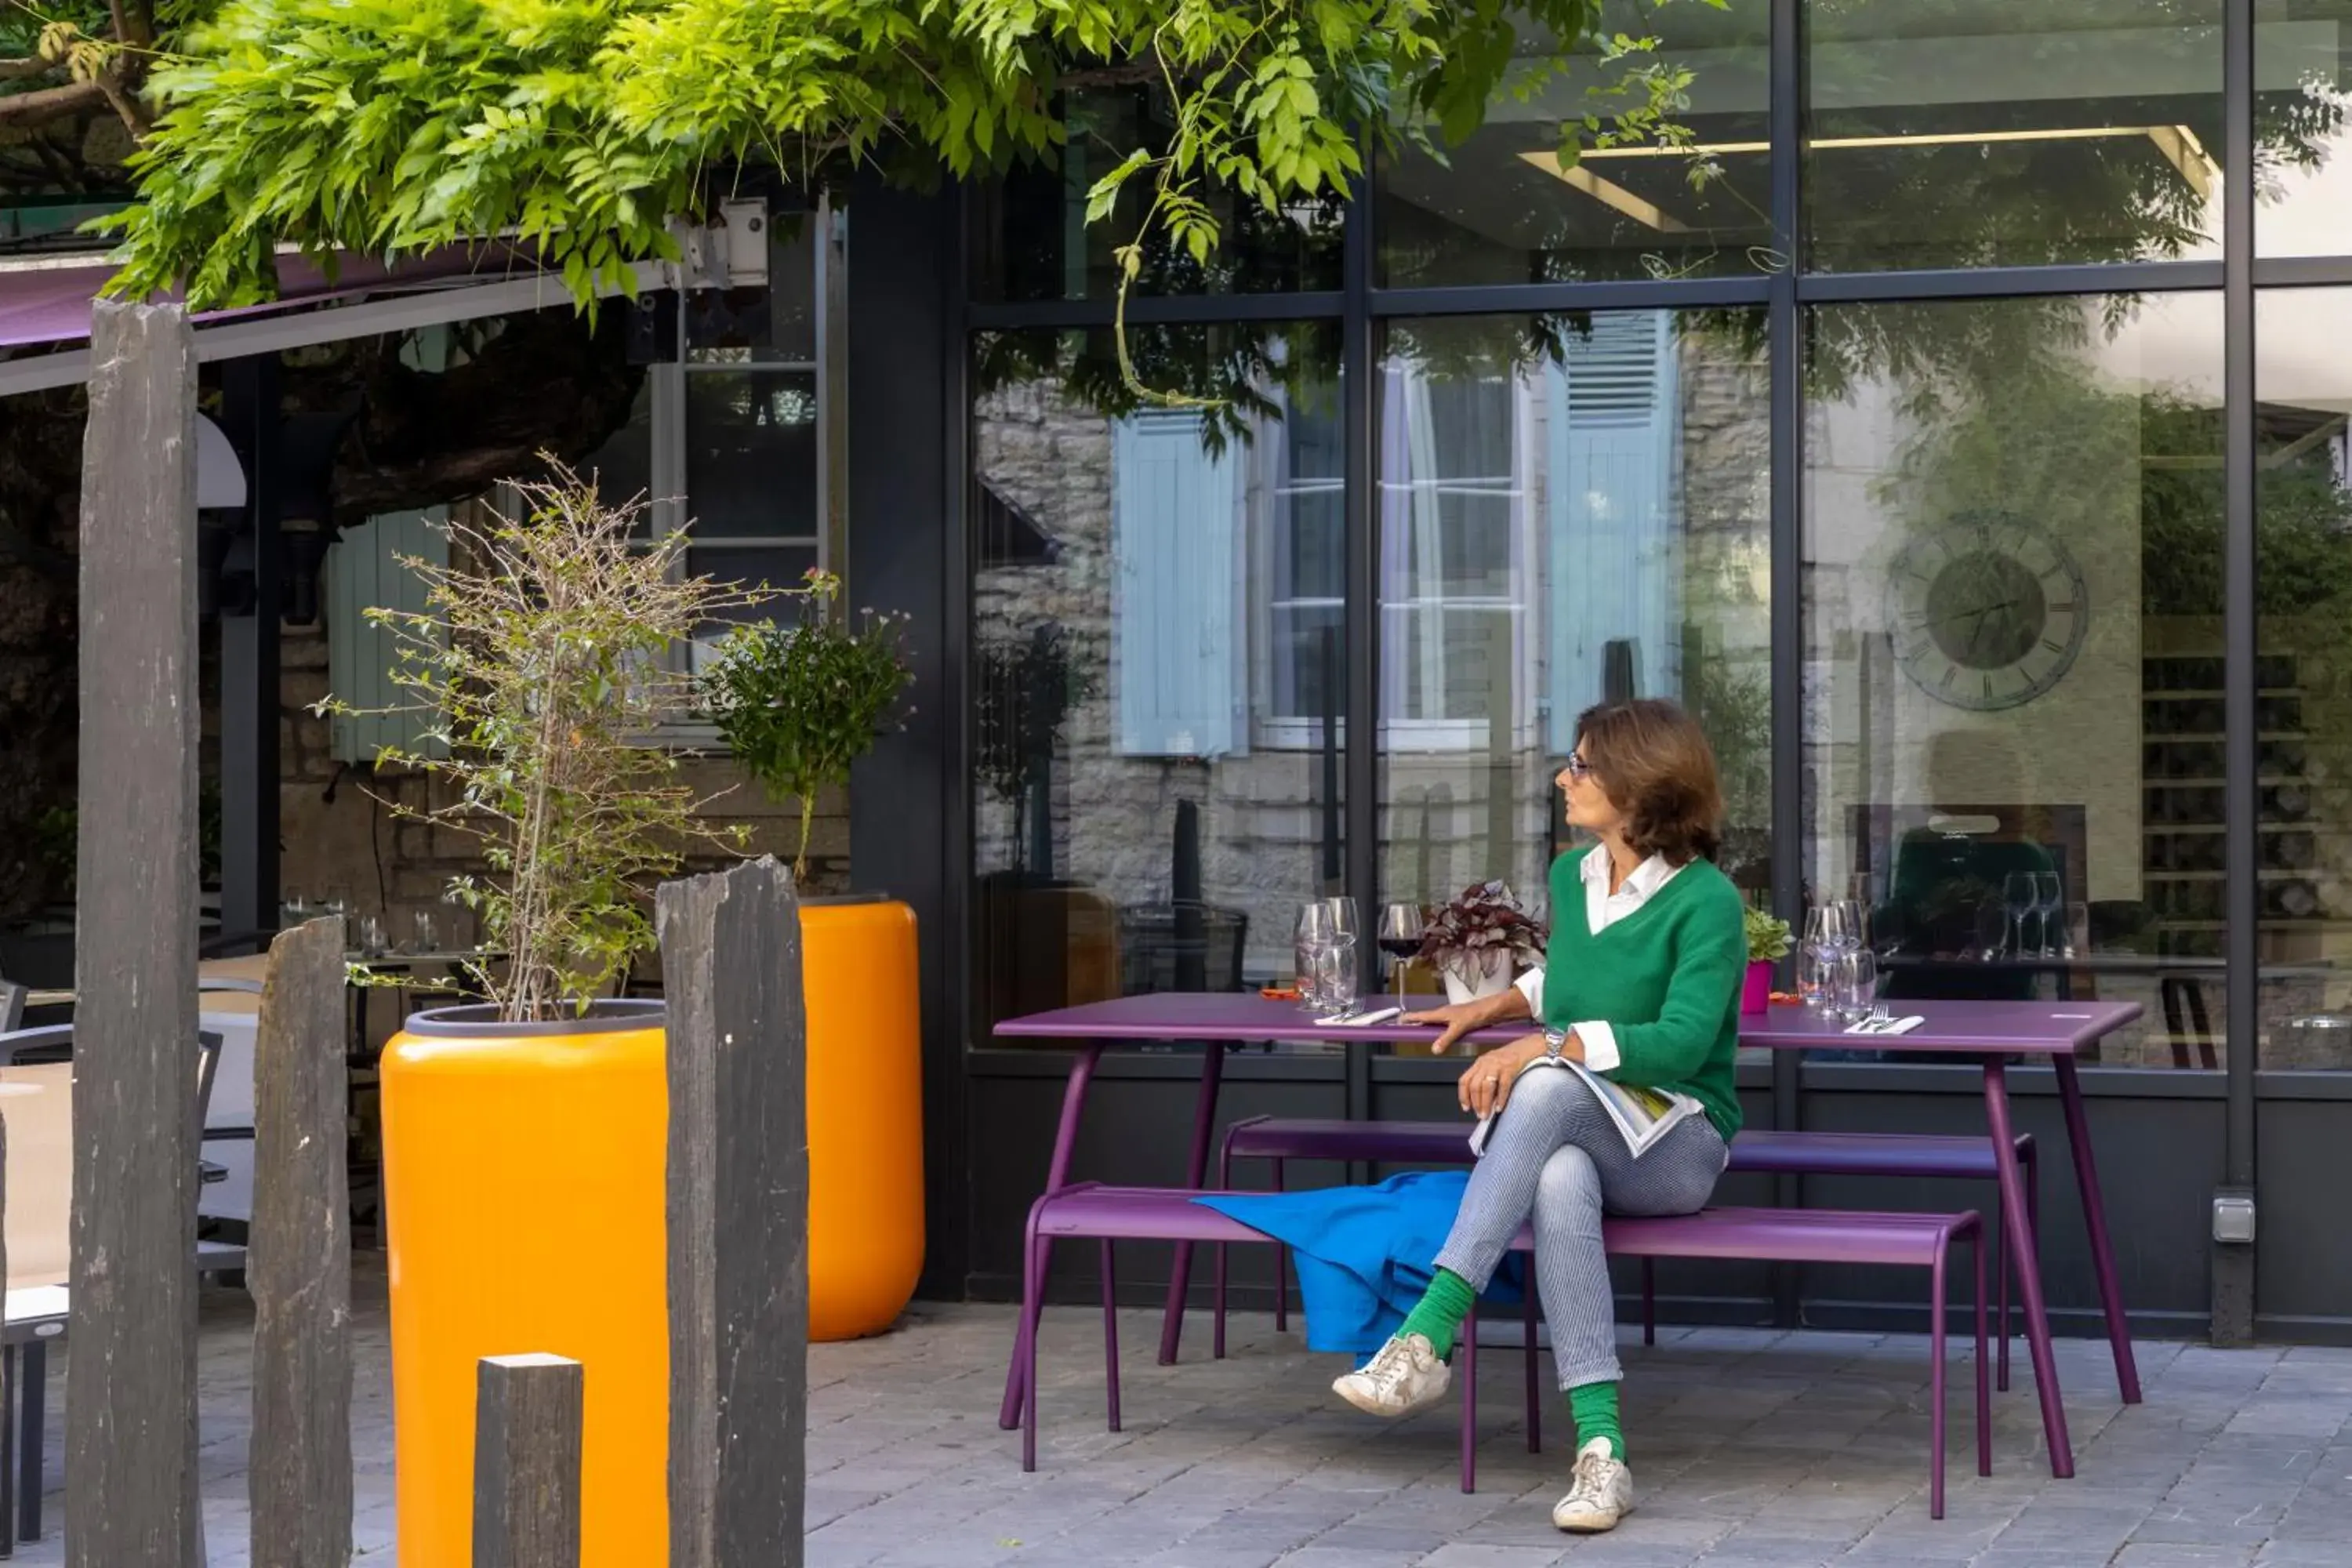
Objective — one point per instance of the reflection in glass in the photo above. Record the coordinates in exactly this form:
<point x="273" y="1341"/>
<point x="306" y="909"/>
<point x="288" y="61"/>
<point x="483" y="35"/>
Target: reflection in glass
<point x="1571" y="509"/>
<point x="2303" y="109"/>
<point x="2012" y="535"/>
<point x="1031" y="239"/>
<point x="2303" y="499"/>
<point x="1157" y="622"/>
<point x="751" y="454"/>
<point x="1502" y="207"/>
<point x="2010" y="133"/>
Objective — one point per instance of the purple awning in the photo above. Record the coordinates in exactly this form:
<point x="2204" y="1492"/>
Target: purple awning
<point x="49" y="303"/>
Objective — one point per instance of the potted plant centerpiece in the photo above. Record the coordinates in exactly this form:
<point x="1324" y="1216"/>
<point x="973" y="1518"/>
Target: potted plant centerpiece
<point x="525" y="1136"/>
<point x="1474" y="941"/>
<point x="1768" y="943"/>
<point x="798" y="704"/>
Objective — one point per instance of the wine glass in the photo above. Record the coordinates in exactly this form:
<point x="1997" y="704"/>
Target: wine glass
<point x="427" y="938"/>
<point x="1858" y="980"/>
<point x="2050" y="902"/>
<point x="1401" y="930"/>
<point x="1846" y="923"/>
<point x="1337" y="977"/>
<point x="1314" y="934"/>
<point x="2022" y="897"/>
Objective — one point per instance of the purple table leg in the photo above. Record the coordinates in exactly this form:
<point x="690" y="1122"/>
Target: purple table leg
<point x="2027" y="1258"/>
<point x="1467" y="1352"/>
<point x="1204" y="1121"/>
<point x="2095" y="1220"/>
<point x="1058" y="1173"/>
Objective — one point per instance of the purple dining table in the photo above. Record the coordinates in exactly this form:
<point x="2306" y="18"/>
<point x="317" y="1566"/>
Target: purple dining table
<point x="1994" y="1032"/>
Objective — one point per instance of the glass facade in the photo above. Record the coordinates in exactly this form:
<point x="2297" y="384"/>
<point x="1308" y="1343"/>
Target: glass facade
<point x="1158" y="624"/>
<point x="1951" y="559"/>
<point x="2303" y="387"/>
<point x="2011" y="691"/>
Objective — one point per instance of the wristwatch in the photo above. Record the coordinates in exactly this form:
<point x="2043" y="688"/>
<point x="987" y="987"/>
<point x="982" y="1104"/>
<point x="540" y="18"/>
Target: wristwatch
<point x="1555" y="1042"/>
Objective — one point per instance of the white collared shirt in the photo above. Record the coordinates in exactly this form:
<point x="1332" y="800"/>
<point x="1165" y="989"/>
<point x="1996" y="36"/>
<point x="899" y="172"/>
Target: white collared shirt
<point x="1602" y="909"/>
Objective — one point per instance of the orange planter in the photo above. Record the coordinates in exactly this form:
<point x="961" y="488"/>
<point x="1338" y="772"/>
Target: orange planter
<point x="524" y="1171"/>
<point x="865" y="1115"/>
<point x="523" y="1182"/>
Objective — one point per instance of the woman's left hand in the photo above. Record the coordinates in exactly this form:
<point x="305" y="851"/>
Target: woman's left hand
<point x="1487" y="1083"/>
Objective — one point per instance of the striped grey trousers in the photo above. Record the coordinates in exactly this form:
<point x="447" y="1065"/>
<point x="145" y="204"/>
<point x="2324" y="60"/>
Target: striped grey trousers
<point x="1554" y="1154"/>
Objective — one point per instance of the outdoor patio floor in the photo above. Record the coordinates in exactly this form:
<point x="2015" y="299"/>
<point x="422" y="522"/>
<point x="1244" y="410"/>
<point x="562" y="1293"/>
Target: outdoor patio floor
<point x="1752" y="1449"/>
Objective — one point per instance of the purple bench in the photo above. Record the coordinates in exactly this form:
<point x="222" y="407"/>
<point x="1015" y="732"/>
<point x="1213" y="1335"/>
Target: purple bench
<point x="1110" y="1214"/>
<point x="1282" y="1139"/>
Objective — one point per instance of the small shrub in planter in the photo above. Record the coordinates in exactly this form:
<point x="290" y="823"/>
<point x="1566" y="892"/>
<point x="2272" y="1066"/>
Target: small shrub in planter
<point x="799" y="704"/>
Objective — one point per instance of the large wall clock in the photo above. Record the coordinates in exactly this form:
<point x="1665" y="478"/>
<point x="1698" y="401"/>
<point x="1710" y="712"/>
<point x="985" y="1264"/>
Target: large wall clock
<point x="1989" y="611"/>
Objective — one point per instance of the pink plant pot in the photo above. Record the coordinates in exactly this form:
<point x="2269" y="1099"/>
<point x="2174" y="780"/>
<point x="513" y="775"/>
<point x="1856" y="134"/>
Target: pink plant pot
<point x="1756" y="992"/>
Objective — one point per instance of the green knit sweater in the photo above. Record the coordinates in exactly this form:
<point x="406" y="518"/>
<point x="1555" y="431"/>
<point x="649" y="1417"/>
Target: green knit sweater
<point x="1666" y="979"/>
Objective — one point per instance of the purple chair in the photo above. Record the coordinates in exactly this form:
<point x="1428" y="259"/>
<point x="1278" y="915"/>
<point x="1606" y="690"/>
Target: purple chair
<point x="1110" y="1214"/>
<point x="1282" y="1139"/>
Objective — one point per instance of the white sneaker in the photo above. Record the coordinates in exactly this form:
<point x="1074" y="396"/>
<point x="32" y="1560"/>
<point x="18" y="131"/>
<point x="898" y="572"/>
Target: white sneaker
<point x="1600" y="1494"/>
<point x="1405" y="1376"/>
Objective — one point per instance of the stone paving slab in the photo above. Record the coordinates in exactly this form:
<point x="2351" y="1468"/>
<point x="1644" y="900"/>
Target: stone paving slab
<point x="1752" y="1449"/>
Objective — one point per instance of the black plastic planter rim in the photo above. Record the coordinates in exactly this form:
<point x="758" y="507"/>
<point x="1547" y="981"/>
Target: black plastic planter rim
<point x="479" y="1020"/>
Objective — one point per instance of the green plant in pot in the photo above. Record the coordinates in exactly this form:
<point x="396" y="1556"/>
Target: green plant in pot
<point x="525" y="1140"/>
<point x="1768" y="945"/>
<point x="798" y="704"/>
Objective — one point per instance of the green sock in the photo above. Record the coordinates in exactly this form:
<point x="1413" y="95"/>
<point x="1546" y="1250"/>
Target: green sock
<point x="1594" y="1405"/>
<point x="1438" y="1318"/>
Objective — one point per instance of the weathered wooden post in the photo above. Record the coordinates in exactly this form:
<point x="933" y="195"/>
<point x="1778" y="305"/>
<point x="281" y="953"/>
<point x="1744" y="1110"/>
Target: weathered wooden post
<point x="738" y="1040"/>
<point x="527" y="1416"/>
<point x="131" y="1390"/>
<point x="299" y="1269"/>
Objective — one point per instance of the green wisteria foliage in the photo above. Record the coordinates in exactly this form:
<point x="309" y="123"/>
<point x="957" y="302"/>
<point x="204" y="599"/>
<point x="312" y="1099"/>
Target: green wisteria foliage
<point x="390" y="127"/>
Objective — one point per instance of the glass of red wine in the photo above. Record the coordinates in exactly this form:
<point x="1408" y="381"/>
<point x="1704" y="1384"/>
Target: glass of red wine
<point x="1400" y="939"/>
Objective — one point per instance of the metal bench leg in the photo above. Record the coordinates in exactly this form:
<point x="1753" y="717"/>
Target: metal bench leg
<point x="1057" y="1172"/>
<point x="1468" y="1372"/>
<point x="1281" y="1263"/>
<point x="1535" y="1382"/>
<point x="32" y="1399"/>
<point x="1984" y="1394"/>
<point x="1110" y="1332"/>
<point x="1024" y="1350"/>
<point x="1217" y="1303"/>
<point x="2001" y="1271"/>
<point x="1937" y="1379"/>
<point x="1649" y="1300"/>
<point x="1196" y="1172"/>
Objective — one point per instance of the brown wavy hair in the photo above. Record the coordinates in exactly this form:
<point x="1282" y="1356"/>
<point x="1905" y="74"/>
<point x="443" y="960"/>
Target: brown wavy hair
<point x="1653" y="762"/>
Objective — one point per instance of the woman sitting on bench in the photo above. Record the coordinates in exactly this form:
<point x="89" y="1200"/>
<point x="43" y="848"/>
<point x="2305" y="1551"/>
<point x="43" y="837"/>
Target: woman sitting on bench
<point x="1641" y="984"/>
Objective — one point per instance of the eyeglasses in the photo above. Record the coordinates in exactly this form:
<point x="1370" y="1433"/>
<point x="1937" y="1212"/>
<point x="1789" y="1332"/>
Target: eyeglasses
<point x="1578" y="768"/>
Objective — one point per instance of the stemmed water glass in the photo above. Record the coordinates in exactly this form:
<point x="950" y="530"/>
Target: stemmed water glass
<point x="1400" y="938"/>
<point x="2022" y="897"/>
<point x="2050" y="903"/>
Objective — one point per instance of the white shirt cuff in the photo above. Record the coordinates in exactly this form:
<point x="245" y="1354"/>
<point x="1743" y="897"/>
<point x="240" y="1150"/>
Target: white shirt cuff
<point x="1599" y="1043"/>
<point x="1530" y="986"/>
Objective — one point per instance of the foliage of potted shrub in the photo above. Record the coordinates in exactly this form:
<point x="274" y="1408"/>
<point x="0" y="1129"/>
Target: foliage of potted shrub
<point x="1768" y="943"/>
<point x="1473" y="941"/>
<point x="798" y="704"/>
<point x="525" y="1138"/>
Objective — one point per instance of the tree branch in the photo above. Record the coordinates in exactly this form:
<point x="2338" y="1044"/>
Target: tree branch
<point x="49" y="103"/>
<point x="125" y="103"/>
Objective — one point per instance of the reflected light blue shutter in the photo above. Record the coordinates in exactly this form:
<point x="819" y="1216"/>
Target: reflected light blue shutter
<point x="1176" y="549"/>
<point x="363" y="571"/>
<point x="1615" y="538"/>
